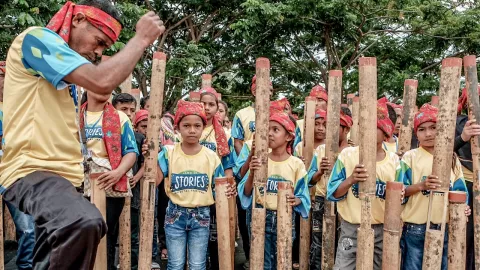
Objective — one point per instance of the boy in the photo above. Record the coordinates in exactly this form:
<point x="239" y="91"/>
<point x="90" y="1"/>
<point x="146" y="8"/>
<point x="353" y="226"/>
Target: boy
<point x="126" y="103"/>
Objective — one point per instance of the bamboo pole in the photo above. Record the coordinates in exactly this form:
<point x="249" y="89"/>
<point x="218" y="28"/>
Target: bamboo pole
<point x="392" y="227"/>
<point x="350" y="101"/>
<point x="136" y="94"/>
<point x="284" y="226"/>
<point x="308" y="143"/>
<point x="262" y="112"/>
<point x="368" y="150"/>
<point x="457" y="230"/>
<point x="10" y="234"/>
<point x="331" y="152"/>
<point x="194" y="96"/>
<point x="223" y="224"/>
<point x="125" y="231"/>
<point x="471" y="79"/>
<point x="232" y="220"/>
<point x="409" y="98"/>
<point x="2" y="260"/>
<point x="435" y="101"/>
<point x="206" y="80"/>
<point x="442" y="159"/>
<point x="355" y="118"/>
<point x="148" y="185"/>
<point x="99" y="198"/>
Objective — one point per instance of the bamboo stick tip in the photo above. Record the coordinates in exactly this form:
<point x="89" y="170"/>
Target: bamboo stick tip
<point x="160" y="56"/>
<point x="335" y="73"/>
<point x="284" y="185"/>
<point x="231" y="179"/>
<point x="263" y="62"/>
<point x="221" y="181"/>
<point x="194" y="95"/>
<point x="411" y="82"/>
<point x="367" y="61"/>
<point x="394" y="185"/>
<point x="310" y="98"/>
<point x="452" y="62"/>
<point x="469" y="60"/>
<point x="350" y="96"/>
<point x="356" y="99"/>
<point x="435" y="99"/>
<point x="135" y="91"/>
<point x="206" y="76"/>
<point x="457" y="196"/>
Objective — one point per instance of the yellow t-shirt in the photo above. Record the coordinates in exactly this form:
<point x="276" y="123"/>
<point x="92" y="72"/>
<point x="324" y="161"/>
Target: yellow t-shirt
<point x="321" y="186"/>
<point x="349" y="206"/>
<point x="467" y="174"/>
<point x="190" y="177"/>
<point x="243" y="125"/>
<point x="41" y="133"/>
<point x="391" y="146"/>
<point x="291" y="170"/>
<point x="414" y="168"/>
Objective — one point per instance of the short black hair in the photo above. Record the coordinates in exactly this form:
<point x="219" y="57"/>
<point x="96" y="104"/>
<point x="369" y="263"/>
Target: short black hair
<point x="123" y="98"/>
<point x="346" y="111"/>
<point x="392" y="114"/>
<point x="143" y="101"/>
<point x="105" y="6"/>
<point x="224" y="104"/>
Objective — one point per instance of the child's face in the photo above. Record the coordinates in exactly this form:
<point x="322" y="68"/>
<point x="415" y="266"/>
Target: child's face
<point x="277" y="135"/>
<point x="381" y="137"/>
<point x="127" y="108"/>
<point x="343" y="133"/>
<point x="222" y="112"/>
<point x="210" y="105"/>
<point x="191" y="128"/>
<point x="426" y="133"/>
<point x="320" y="128"/>
<point x="398" y="111"/>
<point x="147" y="104"/>
<point x="321" y="104"/>
<point x="142" y="127"/>
<point x="227" y="123"/>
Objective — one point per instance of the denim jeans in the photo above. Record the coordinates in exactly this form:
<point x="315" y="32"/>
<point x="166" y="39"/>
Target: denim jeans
<point x="187" y="228"/>
<point x="412" y="244"/>
<point x="317" y="228"/>
<point x="25" y="231"/>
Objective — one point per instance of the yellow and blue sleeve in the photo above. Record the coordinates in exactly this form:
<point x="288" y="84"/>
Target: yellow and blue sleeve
<point x="237" y="129"/>
<point x="313" y="169"/>
<point x="47" y="55"/>
<point x="163" y="161"/>
<point x="336" y="178"/>
<point x="404" y="175"/>
<point x="129" y="144"/>
<point x="298" y="136"/>
<point x="228" y="161"/>
<point x="245" y="201"/>
<point x="301" y="191"/>
<point x="241" y="159"/>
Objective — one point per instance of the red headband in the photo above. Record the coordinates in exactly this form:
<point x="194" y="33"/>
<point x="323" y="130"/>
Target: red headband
<point x="279" y="105"/>
<point x="319" y="113"/>
<point x="383" y="121"/>
<point x="140" y="116"/>
<point x="210" y="90"/>
<point x="319" y="92"/>
<point x="284" y="120"/>
<point x="185" y="108"/>
<point x="345" y="120"/>
<point x="462" y="100"/>
<point x="62" y="21"/>
<point x="427" y="113"/>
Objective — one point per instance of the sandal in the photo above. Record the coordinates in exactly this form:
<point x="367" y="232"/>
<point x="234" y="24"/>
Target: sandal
<point x="164" y="255"/>
<point x="296" y="266"/>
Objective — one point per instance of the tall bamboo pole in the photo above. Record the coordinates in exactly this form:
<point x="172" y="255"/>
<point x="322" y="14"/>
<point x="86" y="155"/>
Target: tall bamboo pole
<point x="206" y="80"/>
<point x="262" y="112"/>
<point x="392" y="227"/>
<point x="99" y="198"/>
<point x="232" y="207"/>
<point x="223" y="224"/>
<point x="355" y="118"/>
<point x="125" y="232"/>
<point x="148" y="185"/>
<point x="457" y="230"/>
<point x="284" y="226"/>
<point x="409" y="98"/>
<point x="442" y="159"/>
<point x="435" y="101"/>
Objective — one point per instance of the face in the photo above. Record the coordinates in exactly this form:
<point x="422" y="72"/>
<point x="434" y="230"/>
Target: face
<point x="288" y="109"/>
<point x="210" y="105"/>
<point x="321" y="104"/>
<point x="426" y="134"/>
<point x="191" y="128"/>
<point x="147" y="104"/>
<point x="320" y="128"/>
<point x="398" y="111"/>
<point x="142" y="127"/>
<point x="227" y="123"/>
<point x="343" y="135"/>
<point x="222" y="111"/>
<point x="127" y="108"/>
<point x="381" y="137"/>
<point x="277" y="135"/>
<point x="87" y="40"/>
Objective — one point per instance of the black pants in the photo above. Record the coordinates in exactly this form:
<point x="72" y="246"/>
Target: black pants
<point x="242" y="226"/>
<point x="317" y="230"/>
<point x="114" y="210"/>
<point x="68" y="228"/>
<point x="470" y="246"/>
<point x="161" y="211"/>
<point x="212" y="242"/>
<point x="296" y="241"/>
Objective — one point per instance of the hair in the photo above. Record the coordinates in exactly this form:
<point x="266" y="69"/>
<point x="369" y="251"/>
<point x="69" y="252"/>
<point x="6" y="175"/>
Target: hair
<point x="84" y="98"/>
<point x="105" y="6"/>
<point x="392" y="114"/>
<point x="211" y="94"/>
<point x="143" y="101"/>
<point x="346" y="111"/>
<point x="225" y="105"/>
<point x="123" y="98"/>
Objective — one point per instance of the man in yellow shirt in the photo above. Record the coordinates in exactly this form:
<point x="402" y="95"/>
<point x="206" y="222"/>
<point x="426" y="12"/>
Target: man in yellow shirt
<point x="42" y="162"/>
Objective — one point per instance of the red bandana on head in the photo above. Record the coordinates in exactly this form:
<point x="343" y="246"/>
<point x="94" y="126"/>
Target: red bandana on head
<point x="112" y="137"/>
<point x="284" y="120"/>
<point x="140" y="116"/>
<point x="427" y="113"/>
<point x="395" y="106"/>
<point x="279" y="105"/>
<point x="185" y="108"/>
<point x="319" y="113"/>
<point x="345" y="120"/>
<point x="462" y="100"/>
<point x="383" y="121"/>
<point x="319" y="92"/>
<point x="62" y="21"/>
<point x="220" y="136"/>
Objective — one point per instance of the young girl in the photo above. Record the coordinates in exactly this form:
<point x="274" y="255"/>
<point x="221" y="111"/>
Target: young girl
<point x="415" y="171"/>
<point x="343" y="189"/>
<point x="282" y="166"/>
<point x="112" y="145"/>
<point x="319" y="132"/>
<point x="191" y="170"/>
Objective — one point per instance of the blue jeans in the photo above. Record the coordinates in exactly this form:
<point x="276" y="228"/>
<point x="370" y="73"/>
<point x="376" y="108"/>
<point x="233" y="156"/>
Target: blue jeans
<point x="412" y="244"/>
<point x="25" y="231"/>
<point x="187" y="228"/>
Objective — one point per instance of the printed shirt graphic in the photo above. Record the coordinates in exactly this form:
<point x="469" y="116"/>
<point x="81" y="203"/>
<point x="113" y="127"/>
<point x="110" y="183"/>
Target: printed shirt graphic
<point x="243" y="125"/>
<point x="291" y="170"/>
<point x="298" y="132"/>
<point x="321" y="186"/>
<point x="94" y="132"/>
<point x="414" y="168"/>
<point x="349" y="206"/>
<point x="191" y="178"/>
<point x="391" y="146"/>
<point x="208" y="140"/>
<point x="39" y="112"/>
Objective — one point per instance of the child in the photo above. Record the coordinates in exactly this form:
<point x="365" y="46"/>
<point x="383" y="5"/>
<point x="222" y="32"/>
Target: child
<point x="317" y="168"/>
<point x="111" y="142"/>
<point x="343" y="188"/>
<point x="415" y="171"/>
<point x="282" y="166"/>
<point x="319" y="132"/>
<point x="391" y="144"/>
<point x="125" y="103"/>
<point x="191" y="170"/>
